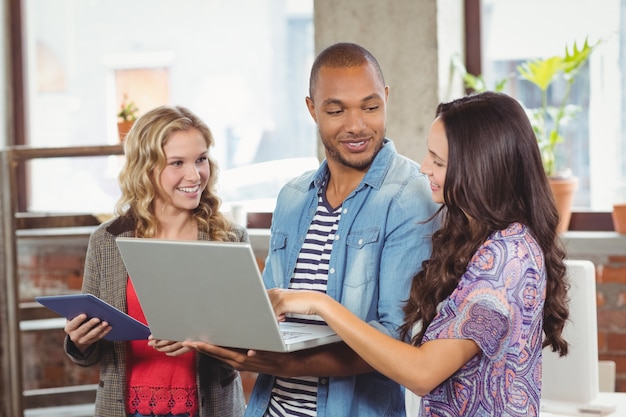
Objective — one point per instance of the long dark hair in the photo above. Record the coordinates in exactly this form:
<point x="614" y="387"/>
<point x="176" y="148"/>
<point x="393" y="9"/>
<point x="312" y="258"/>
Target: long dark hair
<point x="495" y="176"/>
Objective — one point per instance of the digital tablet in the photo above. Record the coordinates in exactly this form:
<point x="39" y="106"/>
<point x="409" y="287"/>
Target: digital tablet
<point x="123" y="326"/>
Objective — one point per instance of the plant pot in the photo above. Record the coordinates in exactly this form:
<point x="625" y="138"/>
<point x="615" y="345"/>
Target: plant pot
<point x="563" y="190"/>
<point x="123" y="128"/>
<point x="619" y="218"/>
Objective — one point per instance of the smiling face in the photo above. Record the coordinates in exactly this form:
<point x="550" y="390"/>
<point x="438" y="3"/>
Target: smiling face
<point x="186" y="172"/>
<point x="435" y="163"/>
<point x="349" y="106"/>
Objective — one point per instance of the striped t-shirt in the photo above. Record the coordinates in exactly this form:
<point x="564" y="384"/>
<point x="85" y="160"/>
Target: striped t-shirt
<point x="298" y="396"/>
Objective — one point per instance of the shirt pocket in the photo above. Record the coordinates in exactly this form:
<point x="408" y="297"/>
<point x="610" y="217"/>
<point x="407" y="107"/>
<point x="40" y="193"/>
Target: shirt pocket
<point x="278" y="241"/>
<point x="363" y="252"/>
<point x="274" y="276"/>
<point x="360" y="239"/>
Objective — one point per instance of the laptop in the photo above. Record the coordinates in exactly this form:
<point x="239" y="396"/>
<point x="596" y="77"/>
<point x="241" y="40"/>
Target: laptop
<point x="212" y="292"/>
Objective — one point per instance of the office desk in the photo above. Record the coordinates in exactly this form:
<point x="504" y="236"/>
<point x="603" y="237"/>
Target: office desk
<point x="604" y="398"/>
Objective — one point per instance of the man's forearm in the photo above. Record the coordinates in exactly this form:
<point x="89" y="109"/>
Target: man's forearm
<point x="332" y="360"/>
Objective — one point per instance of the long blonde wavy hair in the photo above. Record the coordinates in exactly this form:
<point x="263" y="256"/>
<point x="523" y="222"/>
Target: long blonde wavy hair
<point x="144" y="162"/>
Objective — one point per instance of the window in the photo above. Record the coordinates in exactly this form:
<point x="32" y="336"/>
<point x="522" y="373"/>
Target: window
<point x="595" y="142"/>
<point x="241" y="65"/>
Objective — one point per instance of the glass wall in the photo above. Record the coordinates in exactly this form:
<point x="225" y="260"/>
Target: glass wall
<point x="242" y="65"/>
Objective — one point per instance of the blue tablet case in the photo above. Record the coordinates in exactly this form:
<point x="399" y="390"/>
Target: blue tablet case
<point x="123" y="326"/>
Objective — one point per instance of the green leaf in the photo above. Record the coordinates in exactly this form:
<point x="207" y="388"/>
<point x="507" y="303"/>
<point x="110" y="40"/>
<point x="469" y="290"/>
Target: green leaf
<point x="501" y="84"/>
<point x="576" y="59"/>
<point x="541" y="72"/>
<point x="475" y="82"/>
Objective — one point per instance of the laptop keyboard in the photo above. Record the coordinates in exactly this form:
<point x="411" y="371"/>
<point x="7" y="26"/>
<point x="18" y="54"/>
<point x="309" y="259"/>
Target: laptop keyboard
<point x="290" y="335"/>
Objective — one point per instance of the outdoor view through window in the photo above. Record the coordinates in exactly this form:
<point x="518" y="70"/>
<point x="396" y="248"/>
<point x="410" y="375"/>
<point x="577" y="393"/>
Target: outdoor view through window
<point x="241" y="65"/>
<point x="594" y="148"/>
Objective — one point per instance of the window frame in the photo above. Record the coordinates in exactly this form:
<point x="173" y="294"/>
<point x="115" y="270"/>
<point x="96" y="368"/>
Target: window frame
<point x="17" y="94"/>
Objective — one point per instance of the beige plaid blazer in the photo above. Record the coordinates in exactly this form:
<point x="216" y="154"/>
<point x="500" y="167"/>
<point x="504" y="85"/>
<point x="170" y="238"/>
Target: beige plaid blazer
<point x="219" y="386"/>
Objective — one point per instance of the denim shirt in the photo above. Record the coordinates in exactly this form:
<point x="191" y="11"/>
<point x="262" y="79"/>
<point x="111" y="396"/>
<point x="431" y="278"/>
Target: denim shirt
<point x="380" y="244"/>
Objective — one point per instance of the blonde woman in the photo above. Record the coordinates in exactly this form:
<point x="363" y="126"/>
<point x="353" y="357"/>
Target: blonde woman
<point x="168" y="191"/>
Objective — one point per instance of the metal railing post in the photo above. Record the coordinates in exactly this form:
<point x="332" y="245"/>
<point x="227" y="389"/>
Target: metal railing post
<point x="10" y="337"/>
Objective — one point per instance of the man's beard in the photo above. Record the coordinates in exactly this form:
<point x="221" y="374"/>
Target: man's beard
<point x="334" y="154"/>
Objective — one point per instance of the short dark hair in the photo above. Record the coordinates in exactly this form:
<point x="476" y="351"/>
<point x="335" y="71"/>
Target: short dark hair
<point x="342" y="55"/>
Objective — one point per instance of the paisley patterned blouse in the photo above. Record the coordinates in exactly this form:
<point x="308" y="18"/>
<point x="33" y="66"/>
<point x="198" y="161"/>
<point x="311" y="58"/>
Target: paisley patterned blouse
<point x="498" y="303"/>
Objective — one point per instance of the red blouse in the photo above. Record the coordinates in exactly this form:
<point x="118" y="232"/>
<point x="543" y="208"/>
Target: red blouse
<point x="157" y="383"/>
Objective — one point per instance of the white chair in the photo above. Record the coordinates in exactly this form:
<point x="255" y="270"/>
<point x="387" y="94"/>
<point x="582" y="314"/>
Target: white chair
<point x="606" y="376"/>
<point x="573" y="379"/>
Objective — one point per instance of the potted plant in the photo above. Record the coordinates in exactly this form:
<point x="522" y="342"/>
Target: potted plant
<point x="548" y="120"/>
<point x="126" y="116"/>
<point x="619" y="208"/>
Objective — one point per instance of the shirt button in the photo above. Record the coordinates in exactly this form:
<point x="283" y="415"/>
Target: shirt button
<point x="360" y="241"/>
<point x="323" y="381"/>
<point x="336" y="237"/>
<point x="331" y="270"/>
<point x="345" y="211"/>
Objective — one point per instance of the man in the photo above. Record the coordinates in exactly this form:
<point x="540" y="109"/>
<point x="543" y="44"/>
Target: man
<point x="356" y="229"/>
